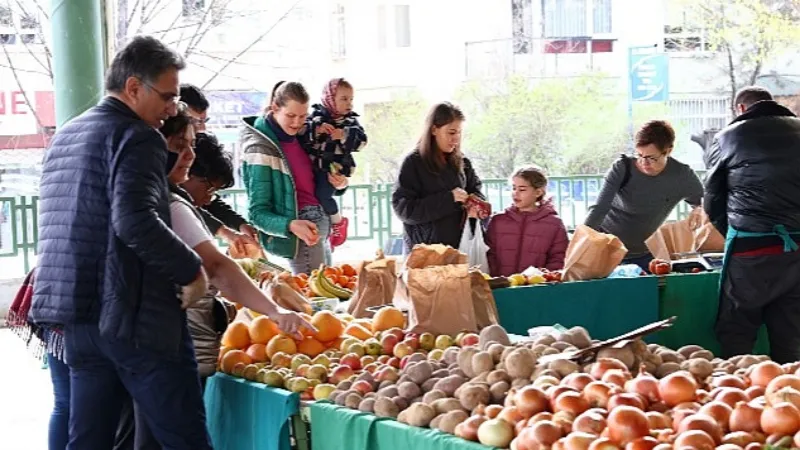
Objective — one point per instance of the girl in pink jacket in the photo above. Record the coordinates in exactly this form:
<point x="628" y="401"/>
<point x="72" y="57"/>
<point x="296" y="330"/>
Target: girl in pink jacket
<point x="529" y="233"/>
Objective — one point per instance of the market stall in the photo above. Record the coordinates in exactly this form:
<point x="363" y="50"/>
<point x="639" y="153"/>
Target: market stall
<point x="344" y="429"/>
<point x="247" y="415"/>
<point x="444" y="362"/>
<point x="606" y="307"/>
<point x="693" y="299"/>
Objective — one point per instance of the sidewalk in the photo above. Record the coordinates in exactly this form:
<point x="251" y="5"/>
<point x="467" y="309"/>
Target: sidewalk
<point x="26" y="397"/>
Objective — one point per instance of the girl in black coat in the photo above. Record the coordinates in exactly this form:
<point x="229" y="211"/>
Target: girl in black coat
<point x="434" y="182"/>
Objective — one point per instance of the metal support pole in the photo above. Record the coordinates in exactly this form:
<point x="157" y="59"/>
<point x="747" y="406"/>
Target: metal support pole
<point x="78" y="56"/>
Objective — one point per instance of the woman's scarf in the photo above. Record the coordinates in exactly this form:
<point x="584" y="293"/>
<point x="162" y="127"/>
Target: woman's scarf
<point x="39" y="339"/>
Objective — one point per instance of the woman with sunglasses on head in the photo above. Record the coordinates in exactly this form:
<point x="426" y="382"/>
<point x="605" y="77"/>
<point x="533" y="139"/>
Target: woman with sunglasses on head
<point x="639" y="193"/>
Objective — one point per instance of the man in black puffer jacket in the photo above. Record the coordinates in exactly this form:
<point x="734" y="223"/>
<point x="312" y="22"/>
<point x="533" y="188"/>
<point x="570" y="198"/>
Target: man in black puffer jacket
<point x="110" y="269"/>
<point x="752" y="194"/>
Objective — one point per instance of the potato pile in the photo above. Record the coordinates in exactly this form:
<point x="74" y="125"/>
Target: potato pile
<point x="499" y="394"/>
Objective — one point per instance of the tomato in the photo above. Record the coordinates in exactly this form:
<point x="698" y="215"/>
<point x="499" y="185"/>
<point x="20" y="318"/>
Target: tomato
<point x="663" y="268"/>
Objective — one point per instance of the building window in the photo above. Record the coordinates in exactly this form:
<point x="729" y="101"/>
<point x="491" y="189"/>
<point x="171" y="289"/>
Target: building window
<point x="191" y="7"/>
<point x="394" y="22"/>
<point x="569" y="18"/>
<point x="29" y="29"/>
<point x="564" y="18"/>
<point x="521" y="26"/>
<point x="381" y="27"/>
<point x="681" y="34"/>
<point x="402" y="26"/>
<point x="338" y="38"/>
<point x="601" y="17"/>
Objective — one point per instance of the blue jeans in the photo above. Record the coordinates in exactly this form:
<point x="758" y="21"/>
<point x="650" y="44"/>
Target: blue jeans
<point x="166" y="388"/>
<point x="58" y="432"/>
<point x="310" y="258"/>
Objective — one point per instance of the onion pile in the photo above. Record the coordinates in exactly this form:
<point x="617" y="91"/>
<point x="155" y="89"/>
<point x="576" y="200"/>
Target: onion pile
<point x="633" y="397"/>
<point x="606" y="408"/>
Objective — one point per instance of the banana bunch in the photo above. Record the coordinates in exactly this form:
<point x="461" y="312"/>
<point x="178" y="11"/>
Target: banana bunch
<point x="322" y="286"/>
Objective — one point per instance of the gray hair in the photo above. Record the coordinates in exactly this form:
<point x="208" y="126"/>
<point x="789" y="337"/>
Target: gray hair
<point x="144" y="57"/>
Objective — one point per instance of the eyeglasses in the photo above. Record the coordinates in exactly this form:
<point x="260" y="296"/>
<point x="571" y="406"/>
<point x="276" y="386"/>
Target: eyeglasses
<point x="166" y="96"/>
<point x="196" y="121"/>
<point x="211" y="190"/>
<point x="649" y="159"/>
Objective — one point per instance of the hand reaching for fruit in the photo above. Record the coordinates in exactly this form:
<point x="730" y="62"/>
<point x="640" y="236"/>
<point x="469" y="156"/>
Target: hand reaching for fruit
<point x="291" y="323"/>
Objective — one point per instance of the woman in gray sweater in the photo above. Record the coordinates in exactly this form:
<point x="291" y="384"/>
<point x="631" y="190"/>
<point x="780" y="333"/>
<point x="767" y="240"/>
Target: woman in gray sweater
<point x="639" y="193"/>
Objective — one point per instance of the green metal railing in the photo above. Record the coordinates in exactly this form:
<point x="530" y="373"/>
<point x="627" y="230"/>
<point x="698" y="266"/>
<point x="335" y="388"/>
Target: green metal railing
<point x="368" y="208"/>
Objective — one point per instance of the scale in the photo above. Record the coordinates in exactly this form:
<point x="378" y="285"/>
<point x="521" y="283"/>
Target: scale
<point x="692" y="262"/>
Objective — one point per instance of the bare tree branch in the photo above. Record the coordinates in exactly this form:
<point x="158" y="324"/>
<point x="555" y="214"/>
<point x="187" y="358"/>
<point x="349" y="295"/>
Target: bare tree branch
<point x="27" y="46"/>
<point x="198" y="36"/>
<point x="21" y="88"/>
<point x="233" y="77"/>
<point x="253" y="43"/>
<point x="18" y="69"/>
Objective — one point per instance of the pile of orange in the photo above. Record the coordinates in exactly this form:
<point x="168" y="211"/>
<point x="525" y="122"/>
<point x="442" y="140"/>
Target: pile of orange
<point x="260" y="340"/>
<point x="344" y="276"/>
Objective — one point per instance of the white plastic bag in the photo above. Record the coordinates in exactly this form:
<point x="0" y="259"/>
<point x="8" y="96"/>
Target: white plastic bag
<point x="474" y="247"/>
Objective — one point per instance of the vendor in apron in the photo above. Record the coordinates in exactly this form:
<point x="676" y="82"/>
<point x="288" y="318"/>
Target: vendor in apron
<point x="752" y="196"/>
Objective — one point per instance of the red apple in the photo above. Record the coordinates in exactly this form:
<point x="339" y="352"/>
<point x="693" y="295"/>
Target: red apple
<point x="340" y="373"/>
<point x="397" y="332"/>
<point x="404" y="361"/>
<point x="412" y="342"/>
<point x="362" y="386"/>
<point x="384" y="359"/>
<point x="352" y="360"/>
<point x="302" y="370"/>
<point x="394" y="362"/>
<point x="388" y="341"/>
<point x="387" y="374"/>
<point x="367" y="359"/>
<point x="469" y="339"/>
<point x="371" y="368"/>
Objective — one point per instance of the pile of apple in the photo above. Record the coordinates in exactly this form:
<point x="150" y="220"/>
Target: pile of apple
<point x="379" y="358"/>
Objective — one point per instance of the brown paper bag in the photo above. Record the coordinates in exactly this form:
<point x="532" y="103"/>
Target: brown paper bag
<point x="671" y="238"/>
<point x="377" y="281"/>
<point x="592" y="254"/>
<point x="423" y="255"/>
<point x="440" y="299"/>
<point x="482" y="300"/>
<point x="706" y="237"/>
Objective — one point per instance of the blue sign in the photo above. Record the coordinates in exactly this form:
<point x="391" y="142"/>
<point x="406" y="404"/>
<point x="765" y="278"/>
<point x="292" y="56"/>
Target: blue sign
<point x="228" y="107"/>
<point x="648" y="74"/>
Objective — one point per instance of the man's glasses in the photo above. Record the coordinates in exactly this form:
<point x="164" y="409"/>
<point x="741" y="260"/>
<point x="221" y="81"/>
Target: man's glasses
<point x="649" y="159"/>
<point x="166" y="96"/>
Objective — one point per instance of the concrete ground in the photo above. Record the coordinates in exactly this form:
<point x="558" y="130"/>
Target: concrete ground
<point x="26" y="396"/>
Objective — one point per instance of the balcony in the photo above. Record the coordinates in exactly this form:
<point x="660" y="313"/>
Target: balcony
<point x="541" y="57"/>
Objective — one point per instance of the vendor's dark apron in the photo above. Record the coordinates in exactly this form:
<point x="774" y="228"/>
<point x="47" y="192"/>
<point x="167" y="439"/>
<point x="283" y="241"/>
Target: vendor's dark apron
<point x="789" y="245"/>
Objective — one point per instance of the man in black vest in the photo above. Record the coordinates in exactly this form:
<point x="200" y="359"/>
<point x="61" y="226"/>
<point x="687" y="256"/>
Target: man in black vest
<point x="752" y="195"/>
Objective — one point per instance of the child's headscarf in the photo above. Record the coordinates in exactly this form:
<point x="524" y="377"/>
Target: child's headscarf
<point x="329" y="97"/>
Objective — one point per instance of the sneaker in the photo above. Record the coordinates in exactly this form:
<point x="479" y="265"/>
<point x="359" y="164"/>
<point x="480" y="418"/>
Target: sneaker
<point x="338" y="233"/>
